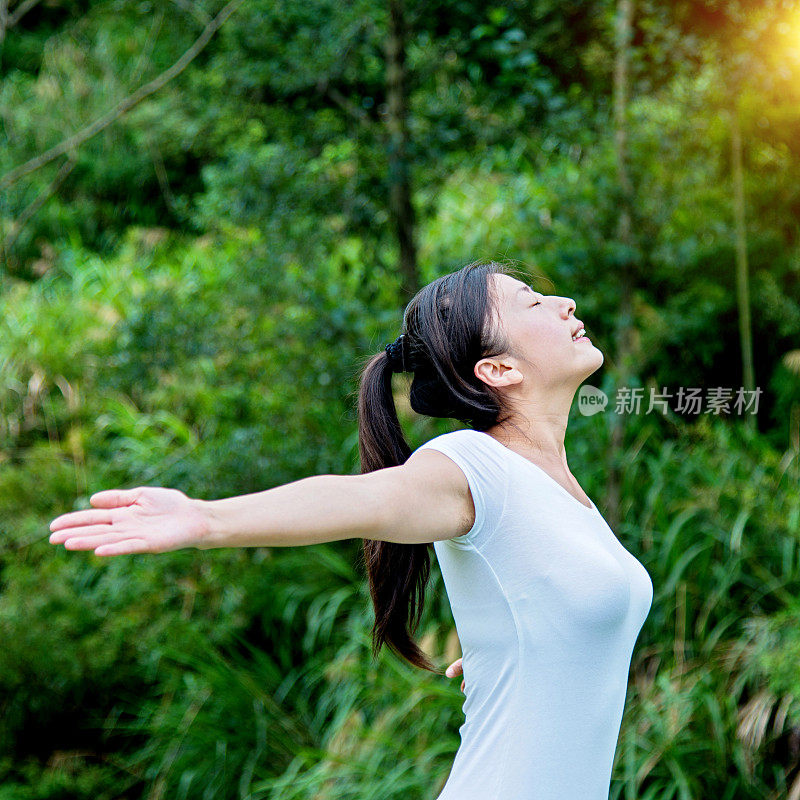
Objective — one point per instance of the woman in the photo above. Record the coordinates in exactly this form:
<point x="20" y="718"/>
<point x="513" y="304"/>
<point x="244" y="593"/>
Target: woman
<point x="547" y="603"/>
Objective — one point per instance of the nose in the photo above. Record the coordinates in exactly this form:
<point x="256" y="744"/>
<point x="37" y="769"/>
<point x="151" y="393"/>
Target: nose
<point x="568" y="303"/>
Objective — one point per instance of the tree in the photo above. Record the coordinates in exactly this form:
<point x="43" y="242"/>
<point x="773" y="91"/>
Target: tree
<point x="626" y="273"/>
<point x="400" y="193"/>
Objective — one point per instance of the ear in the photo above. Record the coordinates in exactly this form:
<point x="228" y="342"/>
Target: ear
<point x="498" y="371"/>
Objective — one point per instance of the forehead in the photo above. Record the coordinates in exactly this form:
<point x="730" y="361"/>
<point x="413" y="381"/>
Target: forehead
<point x="510" y="287"/>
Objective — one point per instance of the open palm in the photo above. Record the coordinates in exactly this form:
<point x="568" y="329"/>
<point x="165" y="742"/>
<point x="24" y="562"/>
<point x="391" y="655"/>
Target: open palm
<point x="147" y="519"/>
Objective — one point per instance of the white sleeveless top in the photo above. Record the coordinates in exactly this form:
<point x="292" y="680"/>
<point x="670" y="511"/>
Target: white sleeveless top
<point x="547" y="605"/>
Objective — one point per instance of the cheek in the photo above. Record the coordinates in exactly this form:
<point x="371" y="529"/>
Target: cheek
<point x="546" y="336"/>
<point x="543" y="344"/>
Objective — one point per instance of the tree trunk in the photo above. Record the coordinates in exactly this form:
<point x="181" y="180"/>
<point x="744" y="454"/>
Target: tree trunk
<point x="400" y="204"/>
<point x="742" y="280"/>
<point x="624" y="335"/>
<point x="3" y="21"/>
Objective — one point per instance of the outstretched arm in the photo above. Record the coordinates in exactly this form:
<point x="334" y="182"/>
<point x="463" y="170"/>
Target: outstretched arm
<point x="423" y="500"/>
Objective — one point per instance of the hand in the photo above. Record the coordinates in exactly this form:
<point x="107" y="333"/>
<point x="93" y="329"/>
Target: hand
<point x="147" y="519"/>
<point x="455" y="669"/>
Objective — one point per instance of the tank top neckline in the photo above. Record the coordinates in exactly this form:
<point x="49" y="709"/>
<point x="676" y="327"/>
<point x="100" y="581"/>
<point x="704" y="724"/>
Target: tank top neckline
<point x="590" y="509"/>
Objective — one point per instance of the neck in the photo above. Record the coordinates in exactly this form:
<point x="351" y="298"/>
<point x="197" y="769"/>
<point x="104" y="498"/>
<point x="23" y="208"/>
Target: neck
<point x="537" y="426"/>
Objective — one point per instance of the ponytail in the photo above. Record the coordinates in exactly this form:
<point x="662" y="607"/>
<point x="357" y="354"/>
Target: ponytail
<point x="398" y="573"/>
<point x="448" y="329"/>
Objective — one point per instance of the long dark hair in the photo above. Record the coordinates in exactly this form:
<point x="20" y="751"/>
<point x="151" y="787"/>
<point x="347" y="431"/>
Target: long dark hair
<point x="449" y="326"/>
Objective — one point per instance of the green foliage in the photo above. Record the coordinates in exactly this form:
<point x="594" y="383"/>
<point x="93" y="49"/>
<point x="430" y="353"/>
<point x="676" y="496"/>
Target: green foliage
<point x="719" y="528"/>
<point x="189" y="307"/>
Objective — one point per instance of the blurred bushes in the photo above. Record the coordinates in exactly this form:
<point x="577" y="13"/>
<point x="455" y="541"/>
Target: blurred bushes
<point x="191" y="308"/>
<point x="197" y="364"/>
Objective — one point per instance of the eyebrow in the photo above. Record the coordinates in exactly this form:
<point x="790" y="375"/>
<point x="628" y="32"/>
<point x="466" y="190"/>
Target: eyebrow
<point x="524" y="288"/>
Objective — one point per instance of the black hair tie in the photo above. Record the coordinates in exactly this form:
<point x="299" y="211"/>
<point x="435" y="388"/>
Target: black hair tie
<point x="396" y="353"/>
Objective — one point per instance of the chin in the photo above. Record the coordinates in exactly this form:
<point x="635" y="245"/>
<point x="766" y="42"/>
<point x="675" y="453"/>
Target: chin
<point x="595" y="363"/>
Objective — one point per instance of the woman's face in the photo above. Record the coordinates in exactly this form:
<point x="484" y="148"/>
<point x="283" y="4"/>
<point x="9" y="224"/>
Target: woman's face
<point x="540" y="330"/>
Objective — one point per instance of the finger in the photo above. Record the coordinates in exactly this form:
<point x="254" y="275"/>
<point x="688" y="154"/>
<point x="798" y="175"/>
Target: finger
<point x="59" y="537"/>
<point x="89" y="517"/>
<point x="90" y="542"/>
<point x="454" y="669"/>
<point x="114" y="498"/>
<point x="463" y="684"/>
<point x="125" y="548"/>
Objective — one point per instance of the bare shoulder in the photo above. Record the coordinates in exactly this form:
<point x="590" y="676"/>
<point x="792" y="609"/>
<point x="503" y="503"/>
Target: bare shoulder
<point x="426" y="499"/>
